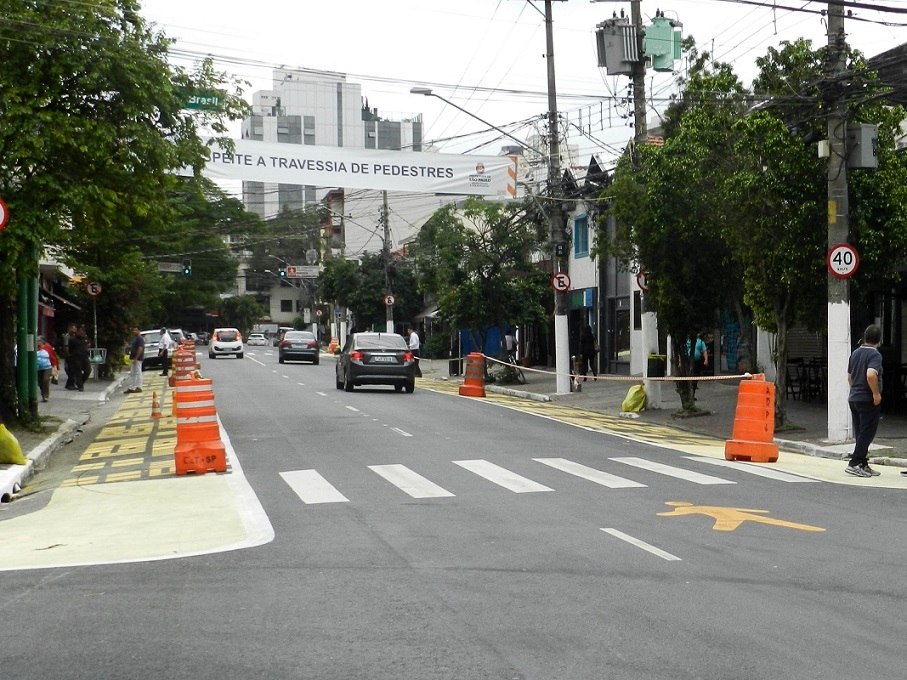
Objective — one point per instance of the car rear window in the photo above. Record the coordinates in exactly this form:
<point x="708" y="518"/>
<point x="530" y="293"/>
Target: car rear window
<point x="381" y="341"/>
<point x="226" y="336"/>
<point x="298" y="335"/>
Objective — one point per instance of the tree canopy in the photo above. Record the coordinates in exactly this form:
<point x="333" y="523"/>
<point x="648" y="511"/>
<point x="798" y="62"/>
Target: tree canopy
<point x="476" y="262"/>
<point x="732" y="209"/>
<point x="93" y="127"/>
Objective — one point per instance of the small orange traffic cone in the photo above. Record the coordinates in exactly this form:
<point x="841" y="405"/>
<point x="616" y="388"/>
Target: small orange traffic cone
<point x="155" y="406"/>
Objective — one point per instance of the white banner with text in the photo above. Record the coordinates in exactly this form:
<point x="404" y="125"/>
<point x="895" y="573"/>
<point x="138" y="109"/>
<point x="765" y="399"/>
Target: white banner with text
<point x="327" y="166"/>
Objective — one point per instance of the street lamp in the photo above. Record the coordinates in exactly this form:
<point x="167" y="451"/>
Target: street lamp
<point x="426" y="91"/>
<point x="562" y="366"/>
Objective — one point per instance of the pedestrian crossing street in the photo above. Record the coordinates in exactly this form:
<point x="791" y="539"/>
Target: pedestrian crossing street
<point x="312" y="488"/>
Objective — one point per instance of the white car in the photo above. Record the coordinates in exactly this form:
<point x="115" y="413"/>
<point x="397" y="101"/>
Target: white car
<point x="257" y="339"/>
<point x="225" y="341"/>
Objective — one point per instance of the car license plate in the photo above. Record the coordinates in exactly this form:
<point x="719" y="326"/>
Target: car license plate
<point x="384" y="359"/>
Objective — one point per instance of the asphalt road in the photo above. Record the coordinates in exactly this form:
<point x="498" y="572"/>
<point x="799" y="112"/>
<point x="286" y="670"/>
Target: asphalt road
<point x="432" y="536"/>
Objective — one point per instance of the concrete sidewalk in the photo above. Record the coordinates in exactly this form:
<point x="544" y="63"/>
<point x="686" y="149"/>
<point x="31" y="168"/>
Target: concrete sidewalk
<point x="63" y="415"/>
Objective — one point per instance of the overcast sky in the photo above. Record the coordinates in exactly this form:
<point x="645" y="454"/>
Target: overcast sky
<point x="488" y="55"/>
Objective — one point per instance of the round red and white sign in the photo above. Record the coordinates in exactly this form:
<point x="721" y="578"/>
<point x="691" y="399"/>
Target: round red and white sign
<point x="4" y="214"/>
<point x="560" y="281"/>
<point x="842" y="260"/>
<point x="389" y="300"/>
<point x="93" y="289"/>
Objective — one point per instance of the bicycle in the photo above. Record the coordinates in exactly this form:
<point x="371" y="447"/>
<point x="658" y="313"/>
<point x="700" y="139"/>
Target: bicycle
<point x="518" y="374"/>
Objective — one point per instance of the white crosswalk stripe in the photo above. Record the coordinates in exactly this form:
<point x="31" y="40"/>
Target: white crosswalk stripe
<point x="311" y="487"/>
<point x="671" y="471"/>
<point x="593" y="475"/>
<point x="502" y="476"/>
<point x="754" y="469"/>
<point x="410" y="482"/>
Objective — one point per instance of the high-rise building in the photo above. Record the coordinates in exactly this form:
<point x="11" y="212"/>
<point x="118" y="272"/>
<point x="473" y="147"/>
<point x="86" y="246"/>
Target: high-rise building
<point x="319" y="108"/>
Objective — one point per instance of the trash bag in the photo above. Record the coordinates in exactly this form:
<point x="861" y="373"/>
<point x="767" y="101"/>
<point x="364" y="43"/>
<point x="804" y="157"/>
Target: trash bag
<point x="635" y="401"/>
<point x="10" y="451"/>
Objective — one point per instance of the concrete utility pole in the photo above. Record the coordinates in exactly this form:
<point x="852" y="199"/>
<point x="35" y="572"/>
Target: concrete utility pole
<point x="648" y="321"/>
<point x="839" y="423"/>
<point x="387" y="262"/>
<point x="562" y="366"/>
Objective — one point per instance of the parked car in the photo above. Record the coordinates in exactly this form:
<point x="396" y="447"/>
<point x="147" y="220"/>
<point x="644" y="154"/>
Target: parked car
<point x="257" y="339"/>
<point x="152" y="346"/>
<point x="298" y="346"/>
<point x="225" y="341"/>
<point x="376" y="359"/>
<point x="202" y="338"/>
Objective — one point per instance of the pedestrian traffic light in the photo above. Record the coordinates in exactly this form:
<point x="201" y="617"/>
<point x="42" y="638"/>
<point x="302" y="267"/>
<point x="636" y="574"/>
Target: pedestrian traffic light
<point x="187" y="267"/>
<point x="282" y="273"/>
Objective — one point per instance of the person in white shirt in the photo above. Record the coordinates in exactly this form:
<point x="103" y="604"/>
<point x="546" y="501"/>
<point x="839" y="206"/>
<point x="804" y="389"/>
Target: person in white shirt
<point x="164" y="346"/>
<point x="415" y="347"/>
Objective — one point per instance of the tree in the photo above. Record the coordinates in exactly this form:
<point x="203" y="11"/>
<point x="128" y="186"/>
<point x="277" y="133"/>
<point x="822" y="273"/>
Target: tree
<point x="476" y="261"/>
<point x="361" y="288"/>
<point x="92" y="129"/>
<point x="241" y="312"/>
<point x="739" y="192"/>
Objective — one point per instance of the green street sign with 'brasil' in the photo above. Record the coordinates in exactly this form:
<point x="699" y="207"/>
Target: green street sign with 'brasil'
<point x="204" y="100"/>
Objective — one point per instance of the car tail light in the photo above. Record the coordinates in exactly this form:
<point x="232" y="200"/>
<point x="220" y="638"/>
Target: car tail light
<point x="285" y="343"/>
<point x="313" y="344"/>
<point x="357" y="356"/>
<point x="408" y="356"/>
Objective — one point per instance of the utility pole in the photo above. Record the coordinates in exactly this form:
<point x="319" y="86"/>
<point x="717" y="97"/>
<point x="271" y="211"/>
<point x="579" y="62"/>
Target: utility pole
<point x="839" y="423"/>
<point x="648" y="321"/>
<point x="562" y="366"/>
<point x="387" y="263"/>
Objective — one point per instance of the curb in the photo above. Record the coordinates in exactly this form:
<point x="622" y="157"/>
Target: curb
<point x="15" y="477"/>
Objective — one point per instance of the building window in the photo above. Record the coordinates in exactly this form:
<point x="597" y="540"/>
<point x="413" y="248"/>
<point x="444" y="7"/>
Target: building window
<point x="286" y="305"/>
<point x="581" y="236"/>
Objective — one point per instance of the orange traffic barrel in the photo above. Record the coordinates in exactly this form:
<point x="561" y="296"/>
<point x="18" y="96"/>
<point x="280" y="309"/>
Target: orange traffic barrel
<point x="474" y="381"/>
<point x="754" y="423"/>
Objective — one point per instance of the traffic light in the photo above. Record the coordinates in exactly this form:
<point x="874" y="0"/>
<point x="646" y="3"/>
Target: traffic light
<point x="282" y="273"/>
<point x="187" y="267"/>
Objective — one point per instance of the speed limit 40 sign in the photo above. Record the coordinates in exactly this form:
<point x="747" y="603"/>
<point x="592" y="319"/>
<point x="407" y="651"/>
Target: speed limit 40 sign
<point x="842" y="260"/>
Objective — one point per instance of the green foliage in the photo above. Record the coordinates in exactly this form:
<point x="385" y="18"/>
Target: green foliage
<point x="733" y="207"/>
<point x="92" y="129"/>
<point x="361" y="287"/>
<point x="242" y="312"/>
<point x="476" y="262"/>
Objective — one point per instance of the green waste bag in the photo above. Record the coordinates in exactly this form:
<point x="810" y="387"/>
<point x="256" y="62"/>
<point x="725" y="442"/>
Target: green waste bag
<point x="635" y="401"/>
<point x="10" y="451"/>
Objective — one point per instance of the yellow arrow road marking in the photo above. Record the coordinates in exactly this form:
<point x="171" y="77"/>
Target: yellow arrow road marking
<point x="729" y="518"/>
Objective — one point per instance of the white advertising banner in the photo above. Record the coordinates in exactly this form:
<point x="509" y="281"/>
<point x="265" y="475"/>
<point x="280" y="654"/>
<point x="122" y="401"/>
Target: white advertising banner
<point x="327" y="166"/>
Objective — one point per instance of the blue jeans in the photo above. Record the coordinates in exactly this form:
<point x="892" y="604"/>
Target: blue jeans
<point x="866" y="417"/>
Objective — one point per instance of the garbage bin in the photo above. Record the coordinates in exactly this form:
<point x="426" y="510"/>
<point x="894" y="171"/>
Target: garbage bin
<point x="656" y="366"/>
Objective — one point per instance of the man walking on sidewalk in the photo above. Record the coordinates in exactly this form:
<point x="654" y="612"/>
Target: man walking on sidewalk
<point x="864" y="375"/>
<point x="136" y="354"/>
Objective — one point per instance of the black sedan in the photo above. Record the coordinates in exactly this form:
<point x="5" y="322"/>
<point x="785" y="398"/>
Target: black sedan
<point x="298" y="346"/>
<point x="376" y="359"/>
